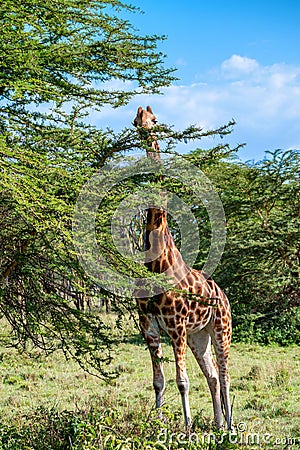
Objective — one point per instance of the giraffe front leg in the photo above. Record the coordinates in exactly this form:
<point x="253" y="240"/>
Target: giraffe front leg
<point x="158" y="374"/>
<point x="182" y="380"/>
<point x="151" y="334"/>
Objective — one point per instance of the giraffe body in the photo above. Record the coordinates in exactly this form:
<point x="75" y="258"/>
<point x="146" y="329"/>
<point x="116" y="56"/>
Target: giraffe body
<point x="196" y="314"/>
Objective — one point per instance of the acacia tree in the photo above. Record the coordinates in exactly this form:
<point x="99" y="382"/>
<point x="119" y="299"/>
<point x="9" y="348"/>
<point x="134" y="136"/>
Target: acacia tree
<point x="56" y="58"/>
<point x="260" y="268"/>
<point x="59" y="59"/>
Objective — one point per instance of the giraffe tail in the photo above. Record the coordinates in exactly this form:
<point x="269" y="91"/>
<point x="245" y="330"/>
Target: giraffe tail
<point x="228" y="419"/>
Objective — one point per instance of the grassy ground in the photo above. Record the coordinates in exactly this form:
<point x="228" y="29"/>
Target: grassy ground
<point x="265" y="384"/>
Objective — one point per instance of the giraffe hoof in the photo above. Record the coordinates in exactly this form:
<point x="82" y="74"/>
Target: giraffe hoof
<point x="188" y="427"/>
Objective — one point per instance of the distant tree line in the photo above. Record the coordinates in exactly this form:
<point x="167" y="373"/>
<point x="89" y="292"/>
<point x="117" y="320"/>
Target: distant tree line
<point x="260" y="267"/>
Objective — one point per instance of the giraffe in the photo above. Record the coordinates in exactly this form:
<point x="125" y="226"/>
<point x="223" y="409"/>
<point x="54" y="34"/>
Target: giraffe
<point x="196" y="319"/>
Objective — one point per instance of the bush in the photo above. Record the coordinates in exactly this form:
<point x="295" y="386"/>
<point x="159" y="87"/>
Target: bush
<point x="271" y="328"/>
<point x="103" y="428"/>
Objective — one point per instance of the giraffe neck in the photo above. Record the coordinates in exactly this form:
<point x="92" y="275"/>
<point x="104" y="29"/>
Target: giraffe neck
<point x="154" y="153"/>
<point x="162" y="253"/>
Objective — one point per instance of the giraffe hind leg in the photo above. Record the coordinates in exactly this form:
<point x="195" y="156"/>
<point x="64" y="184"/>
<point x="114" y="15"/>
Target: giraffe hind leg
<point x="200" y="344"/>
<point x="221" y="346"/>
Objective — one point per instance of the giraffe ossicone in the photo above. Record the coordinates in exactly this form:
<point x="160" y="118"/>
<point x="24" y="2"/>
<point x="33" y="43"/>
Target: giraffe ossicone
<point x="195" y="314"/>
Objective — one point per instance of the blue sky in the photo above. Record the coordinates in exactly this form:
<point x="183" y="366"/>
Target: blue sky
<point x="235" y="59"/>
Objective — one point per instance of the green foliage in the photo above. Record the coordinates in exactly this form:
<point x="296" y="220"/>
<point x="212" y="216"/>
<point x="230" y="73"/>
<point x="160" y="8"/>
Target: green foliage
<point x="260" y="268"/>
<point x="57" y="50"/>
<point x="264" y="382"/>
<point x="281" y="327"/>
<point x="59" y="61"/>
<point x="56" y="60"/>
<point x="56" y="57"/>
<point x="105" y="428"/>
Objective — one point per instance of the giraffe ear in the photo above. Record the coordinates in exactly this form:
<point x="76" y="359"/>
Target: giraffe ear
<point x="149" y="109"/>
<point x="139" y="113"/>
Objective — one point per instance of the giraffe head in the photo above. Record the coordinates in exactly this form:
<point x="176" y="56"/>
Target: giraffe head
<point x="145" y="118"/>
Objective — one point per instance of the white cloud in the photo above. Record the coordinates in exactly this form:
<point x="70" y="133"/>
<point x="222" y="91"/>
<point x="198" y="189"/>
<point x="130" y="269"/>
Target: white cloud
<point x="264" y="101"/>
<point x="237" y="65"/>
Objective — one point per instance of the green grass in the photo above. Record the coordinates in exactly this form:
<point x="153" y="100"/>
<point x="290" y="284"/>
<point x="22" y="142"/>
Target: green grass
<point x="265" y="386"/>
